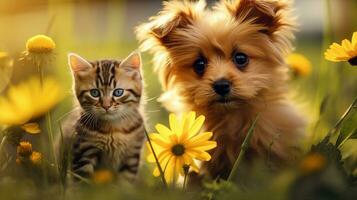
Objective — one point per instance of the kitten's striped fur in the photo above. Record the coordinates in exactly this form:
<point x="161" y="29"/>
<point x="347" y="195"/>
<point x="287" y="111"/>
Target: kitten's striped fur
<point x="109" y="129"/>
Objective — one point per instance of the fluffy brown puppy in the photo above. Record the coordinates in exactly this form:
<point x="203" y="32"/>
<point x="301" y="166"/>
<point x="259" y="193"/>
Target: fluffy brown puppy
<point x="227" y="63"/>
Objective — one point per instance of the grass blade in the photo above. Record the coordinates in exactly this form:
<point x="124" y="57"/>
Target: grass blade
<point x="244" y="147"/>
<point x="347" y="124"/>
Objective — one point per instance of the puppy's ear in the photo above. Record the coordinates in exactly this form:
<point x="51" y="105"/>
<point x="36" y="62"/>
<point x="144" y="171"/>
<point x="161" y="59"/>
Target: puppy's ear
<point x="163" y="27"/>
<point x="271" y="15"/>
<point x="175" y="15"/>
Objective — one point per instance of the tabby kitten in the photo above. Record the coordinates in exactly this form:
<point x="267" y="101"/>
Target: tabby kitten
<point x="108" y="131"/>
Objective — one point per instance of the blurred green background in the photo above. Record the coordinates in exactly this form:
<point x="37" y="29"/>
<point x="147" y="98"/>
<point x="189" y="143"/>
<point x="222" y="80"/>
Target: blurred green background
<point x="97" y="29"/>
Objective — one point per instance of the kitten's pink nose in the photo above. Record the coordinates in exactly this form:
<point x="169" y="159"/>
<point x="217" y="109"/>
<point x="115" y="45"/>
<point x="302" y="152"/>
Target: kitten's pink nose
<point x="106" y="104"/>
<point x="106" y="107"/>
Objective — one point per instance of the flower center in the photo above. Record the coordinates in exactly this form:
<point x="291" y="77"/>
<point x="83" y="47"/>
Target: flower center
<point x="178" y="150"/>
<point x="353" y="61"/>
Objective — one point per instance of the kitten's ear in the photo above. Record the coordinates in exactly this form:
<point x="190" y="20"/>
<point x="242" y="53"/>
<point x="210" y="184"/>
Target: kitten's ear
<point x="133" y="61"/>
<point x="175" y="14"/>
<point x="271" y="15"/>
<point x="78" y="64"/>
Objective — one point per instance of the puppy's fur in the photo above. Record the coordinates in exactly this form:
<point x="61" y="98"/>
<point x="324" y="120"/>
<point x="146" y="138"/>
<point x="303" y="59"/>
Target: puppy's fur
<point x="262" y="29"/>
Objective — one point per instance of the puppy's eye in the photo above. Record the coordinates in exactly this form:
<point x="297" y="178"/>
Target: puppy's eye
<point x="240" y="60"/>
<point x="118" y="92"/>
<point x="200" y="65"/>
<point x="94" y="93"/>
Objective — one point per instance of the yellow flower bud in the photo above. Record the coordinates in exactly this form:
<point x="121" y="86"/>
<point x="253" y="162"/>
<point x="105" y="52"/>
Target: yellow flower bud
<point x="36" y="158"/>
<point x="40" y="44"/>
<point x="24" y="149"/>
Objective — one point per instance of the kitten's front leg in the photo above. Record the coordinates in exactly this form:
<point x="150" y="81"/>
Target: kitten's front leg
<point x="129" y="169"/>
<point x="85" y="160"/>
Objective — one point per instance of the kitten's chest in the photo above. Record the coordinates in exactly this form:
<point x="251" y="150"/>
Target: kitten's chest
<point x="119" y="146"/>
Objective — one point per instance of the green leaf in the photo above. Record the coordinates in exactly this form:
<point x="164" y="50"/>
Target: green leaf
<point x="348" y="126"/>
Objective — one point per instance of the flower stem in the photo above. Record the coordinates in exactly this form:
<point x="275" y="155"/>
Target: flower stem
<point x="186" y="169"/>
<point x="50" y="136"/>
<point x="48" y="122"/>
<point x="184" y="183"/>
<point x="43" y="142"/>
<point x="244" y="147"/>
<point x="156" y="160"/>
<point x="40" y="71"/>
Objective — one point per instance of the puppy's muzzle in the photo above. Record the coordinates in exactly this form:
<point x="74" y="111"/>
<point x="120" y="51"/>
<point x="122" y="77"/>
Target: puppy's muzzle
<point x="222" y="87"/>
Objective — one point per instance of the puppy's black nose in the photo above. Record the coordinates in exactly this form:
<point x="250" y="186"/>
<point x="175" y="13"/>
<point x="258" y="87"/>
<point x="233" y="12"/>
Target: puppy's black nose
<point x="222" y="87"/>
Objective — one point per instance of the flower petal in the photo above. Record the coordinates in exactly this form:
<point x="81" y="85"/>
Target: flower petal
<point x="163" y="155"/>
<point x="163" y="160"/>
<point x="32" y="128"/>
<point x="188" y="121"/>
<point x="199" y="138"/>
<point x="159" y="140"/>
<point x="200" y="155"/>
<point x="29" y="99"/>
<point x="190" y="118"/>
<point x="173" y="123"/>
<point x="346" y="44"/>
<point x="335" y="55"/>
<point x="197" y="125"/>
<point x="337" y="50"/>
<point x="189" y="161"/>
<point x="163" y="130"/>
<point x="349" y="48"/>
<point x="204" y="146"/>
<point x="158" y="149"/>
<point x="156" y="172"/>
<point x="354" y="40"/>
<point x="174" y="139"/>
<point x="179" y="166"/>
<point x="169" y="172"/>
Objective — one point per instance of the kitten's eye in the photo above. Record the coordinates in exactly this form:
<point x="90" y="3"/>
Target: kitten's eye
<point x="94" y="93"/>
<point x="118" y="92"/>
<point x="200" y="65"/>
<point x="240" y="60"/>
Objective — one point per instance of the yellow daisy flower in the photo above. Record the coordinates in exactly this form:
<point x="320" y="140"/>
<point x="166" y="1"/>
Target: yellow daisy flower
<point x="347" y="51"/>
<point x="36" y="158"/>
<point x="29" y="100"/>
<point x="24" y="149"/>
<point x="180" y="145"/>
<point x="40" y="44"/>
<point x="299" y="64"/>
